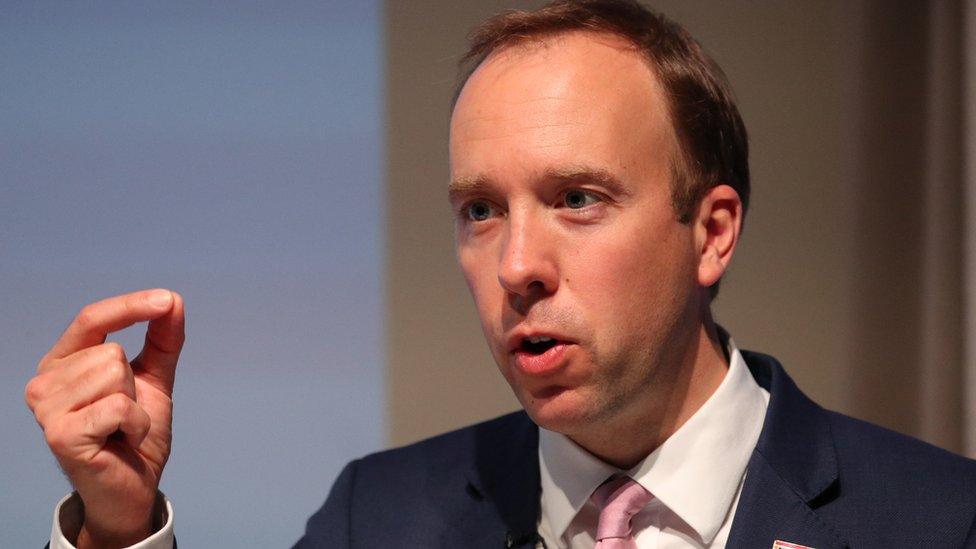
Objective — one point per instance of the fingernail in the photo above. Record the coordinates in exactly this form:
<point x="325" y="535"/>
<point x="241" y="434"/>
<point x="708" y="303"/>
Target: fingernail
<point x="161" y="298"/>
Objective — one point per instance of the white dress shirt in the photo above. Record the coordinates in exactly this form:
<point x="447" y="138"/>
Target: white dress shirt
<point x="70" y="513"/>
<point x="695" y="476"/>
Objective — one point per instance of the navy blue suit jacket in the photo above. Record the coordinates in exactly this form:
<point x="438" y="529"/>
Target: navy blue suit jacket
<point x="816" y="478"/>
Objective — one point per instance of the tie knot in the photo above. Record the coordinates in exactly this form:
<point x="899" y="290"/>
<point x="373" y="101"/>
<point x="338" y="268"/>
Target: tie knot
<point x="619" y="500"/>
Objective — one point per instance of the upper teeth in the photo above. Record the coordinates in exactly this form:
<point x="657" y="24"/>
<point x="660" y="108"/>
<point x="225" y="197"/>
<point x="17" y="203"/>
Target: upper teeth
<point x="539" y="339"/>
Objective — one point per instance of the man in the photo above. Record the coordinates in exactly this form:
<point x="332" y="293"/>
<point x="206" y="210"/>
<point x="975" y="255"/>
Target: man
<point x="599" y="177"/>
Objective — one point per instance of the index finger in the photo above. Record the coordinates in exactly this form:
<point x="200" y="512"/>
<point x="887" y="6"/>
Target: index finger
<point x="164" y="340"/>
<point x="96" y="320"/>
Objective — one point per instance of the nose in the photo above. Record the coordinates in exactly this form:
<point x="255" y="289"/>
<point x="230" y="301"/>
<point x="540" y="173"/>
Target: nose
<point x="528" y="265"/>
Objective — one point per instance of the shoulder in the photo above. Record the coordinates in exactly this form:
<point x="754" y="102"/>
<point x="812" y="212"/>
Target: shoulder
<point x="459" y="443"/>
<point x="867" y="453"/>
<point x="868" y="482"/>
<point x="797" y="425"/>
<point x="457" y="450"/>
<point x="909" y="489"/>
<point x="412" y="494"/>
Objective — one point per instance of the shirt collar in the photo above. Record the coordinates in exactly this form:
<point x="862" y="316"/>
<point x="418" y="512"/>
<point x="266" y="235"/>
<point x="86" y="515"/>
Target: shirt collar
<point x="696" y="473"/>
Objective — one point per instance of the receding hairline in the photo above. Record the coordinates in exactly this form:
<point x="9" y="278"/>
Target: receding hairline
<point x="526" y="44"/>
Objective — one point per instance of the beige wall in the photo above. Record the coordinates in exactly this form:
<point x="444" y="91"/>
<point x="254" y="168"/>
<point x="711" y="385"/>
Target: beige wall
<point x="826" y="277"/>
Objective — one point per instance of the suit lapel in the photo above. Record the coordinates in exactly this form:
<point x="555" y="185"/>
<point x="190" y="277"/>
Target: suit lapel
<point x="502" y="490"/>
<point x="792" y="471"/>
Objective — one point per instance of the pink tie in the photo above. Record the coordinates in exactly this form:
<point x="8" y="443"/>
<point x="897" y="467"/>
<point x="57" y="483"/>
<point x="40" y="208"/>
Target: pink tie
<point x="619" y="500"/>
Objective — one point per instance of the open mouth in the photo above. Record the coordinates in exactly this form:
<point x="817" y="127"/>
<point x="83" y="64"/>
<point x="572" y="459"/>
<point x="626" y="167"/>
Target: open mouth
<point x="541" y="355"/>
<point x="537" y="345"/>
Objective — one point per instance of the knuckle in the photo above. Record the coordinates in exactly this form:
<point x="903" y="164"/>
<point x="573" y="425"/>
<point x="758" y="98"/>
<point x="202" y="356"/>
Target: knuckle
<point x="56" y="440"/>
<point x="119" y="405"/>
<point x="34" y="391"/>
<point x="86" y="316"/>
<point x="113" y="351"/>
<point x="114" y="371"/>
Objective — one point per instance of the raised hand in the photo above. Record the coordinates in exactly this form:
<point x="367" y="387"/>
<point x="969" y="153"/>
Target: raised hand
<point x="107" y="420"/>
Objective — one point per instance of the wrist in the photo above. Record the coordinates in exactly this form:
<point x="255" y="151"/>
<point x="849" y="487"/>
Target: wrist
<point x="95" y="538"/>
<point x="113" y="528"/>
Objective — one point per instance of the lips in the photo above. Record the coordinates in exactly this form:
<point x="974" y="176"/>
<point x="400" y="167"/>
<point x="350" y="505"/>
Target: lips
<point x="537" y="353"/>
<point x="546" y="362"/>
<point x="536" y="339"/>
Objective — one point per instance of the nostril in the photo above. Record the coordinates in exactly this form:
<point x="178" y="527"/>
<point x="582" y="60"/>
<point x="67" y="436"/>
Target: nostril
<point x="523" y="298"/>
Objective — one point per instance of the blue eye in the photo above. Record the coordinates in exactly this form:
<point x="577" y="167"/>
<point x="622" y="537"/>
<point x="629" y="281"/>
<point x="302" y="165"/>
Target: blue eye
<point x="478" y="211"/>
<point x="578" y="198"/>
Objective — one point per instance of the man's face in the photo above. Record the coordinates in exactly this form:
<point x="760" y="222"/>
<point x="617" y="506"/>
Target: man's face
<point x="585" y="282"/>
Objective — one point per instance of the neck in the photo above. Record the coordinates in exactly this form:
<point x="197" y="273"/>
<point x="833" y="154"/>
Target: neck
<point x="677" y="394"/>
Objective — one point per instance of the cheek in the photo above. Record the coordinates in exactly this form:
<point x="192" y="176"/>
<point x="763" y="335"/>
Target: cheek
<point x="483" y="284"/>
<point x="632" y="281"/>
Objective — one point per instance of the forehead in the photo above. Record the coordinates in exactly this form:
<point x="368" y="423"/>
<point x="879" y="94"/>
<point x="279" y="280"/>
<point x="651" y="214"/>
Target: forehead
<point x="578" y="97"/>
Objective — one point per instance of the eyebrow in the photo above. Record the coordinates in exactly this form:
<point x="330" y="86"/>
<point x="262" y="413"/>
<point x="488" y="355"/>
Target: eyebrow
<point x="464" y="186"/>
<point x="584" y="174"/>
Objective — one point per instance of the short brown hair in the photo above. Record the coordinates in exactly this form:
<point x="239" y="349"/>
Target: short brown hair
<point x="712" y="137"/>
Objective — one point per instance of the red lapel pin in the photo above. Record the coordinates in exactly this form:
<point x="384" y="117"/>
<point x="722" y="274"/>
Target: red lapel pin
<point x="779" y="544"/>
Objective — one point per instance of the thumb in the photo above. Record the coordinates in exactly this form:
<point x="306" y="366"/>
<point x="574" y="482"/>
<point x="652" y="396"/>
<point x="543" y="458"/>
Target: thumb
<point x="156" y="362"/>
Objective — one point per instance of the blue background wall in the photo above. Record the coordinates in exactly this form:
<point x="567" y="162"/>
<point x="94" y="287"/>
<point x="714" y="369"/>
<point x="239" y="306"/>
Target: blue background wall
<point x="232" y="152"/>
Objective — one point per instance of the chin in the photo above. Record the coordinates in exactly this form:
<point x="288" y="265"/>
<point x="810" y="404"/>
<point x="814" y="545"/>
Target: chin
<point x="561" y="411"/>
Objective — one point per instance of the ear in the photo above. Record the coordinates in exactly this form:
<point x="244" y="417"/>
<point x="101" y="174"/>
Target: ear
<point x="717" y="228"/>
